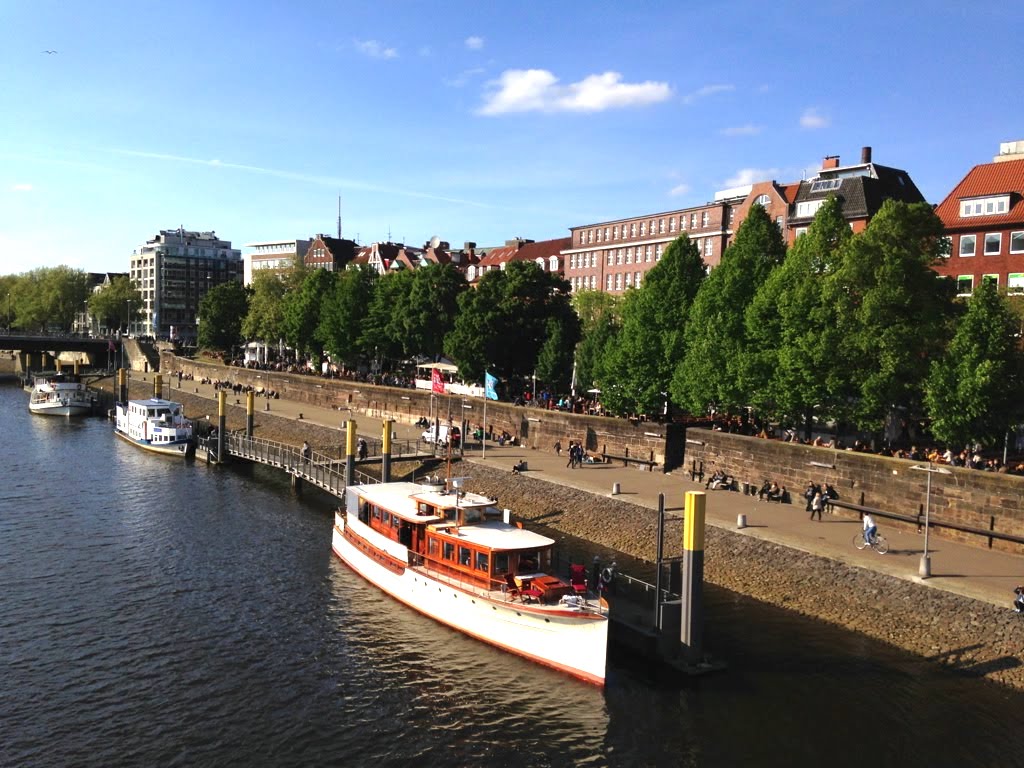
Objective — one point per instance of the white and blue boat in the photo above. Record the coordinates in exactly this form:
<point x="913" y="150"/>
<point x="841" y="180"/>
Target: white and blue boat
<point x="155" y="425"/>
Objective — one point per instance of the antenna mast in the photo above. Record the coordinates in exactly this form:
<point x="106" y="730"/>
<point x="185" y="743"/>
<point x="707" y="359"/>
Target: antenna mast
<point x="339" y="217"/>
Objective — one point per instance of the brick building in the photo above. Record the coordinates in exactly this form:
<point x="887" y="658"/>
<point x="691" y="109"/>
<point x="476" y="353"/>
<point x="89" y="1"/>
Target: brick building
<point x="984" y="220"/>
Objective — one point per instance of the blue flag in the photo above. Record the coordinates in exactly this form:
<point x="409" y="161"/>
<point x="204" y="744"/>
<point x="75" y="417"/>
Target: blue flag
<point x="490" y="382"/>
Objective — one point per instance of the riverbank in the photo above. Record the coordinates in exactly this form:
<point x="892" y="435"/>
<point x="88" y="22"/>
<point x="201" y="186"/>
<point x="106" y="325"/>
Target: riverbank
<point x="973" y="637"/>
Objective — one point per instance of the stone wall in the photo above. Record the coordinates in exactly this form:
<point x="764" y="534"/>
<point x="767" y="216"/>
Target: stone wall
<point x="535" y="428"/>
<point x="969" y="497"/>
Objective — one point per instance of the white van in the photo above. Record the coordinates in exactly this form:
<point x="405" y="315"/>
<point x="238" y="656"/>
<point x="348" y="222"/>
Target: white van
<point x="443" y="436"/>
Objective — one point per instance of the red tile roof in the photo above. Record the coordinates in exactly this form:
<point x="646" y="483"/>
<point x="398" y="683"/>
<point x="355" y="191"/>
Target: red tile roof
<point x="982" y="181"/>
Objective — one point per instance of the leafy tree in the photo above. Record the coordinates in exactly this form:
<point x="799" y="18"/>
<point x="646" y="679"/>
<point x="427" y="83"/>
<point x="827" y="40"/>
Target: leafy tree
<point x="599" y="320"/>
<point x="502" y="324"/>
<point x="64" y="293"/>
<point x="791" y="337"/>
<point x="8" y="289"/>
<point x="433" y="304"/>
<point x="113" y="303"/>
<point x="890" y="312"/>
<point x="344" y="314"/>
<point x="638" y="369"/>
<point x="301" y="310"/>
<point x="221" y="312"/>
<point x="972" y="391"/>
<point x="384" y="329"/>
<point x="265" y="319"/>
<point x="715" y="338"/>
<point x="554" y="359"/>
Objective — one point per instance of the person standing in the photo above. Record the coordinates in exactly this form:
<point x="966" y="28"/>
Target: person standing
<point x="558" y="447"/>
<point x="816" y="504"/>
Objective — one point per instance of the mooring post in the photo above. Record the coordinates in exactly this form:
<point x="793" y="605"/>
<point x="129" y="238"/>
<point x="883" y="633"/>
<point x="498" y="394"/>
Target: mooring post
<point x="76" y="366"/>
<point x="385" y="451"/>
<point x="122" y="385"/>
<point x="250" y="408"/>
<point x="691" y="632"/>
<point x="658" y="560"/>
<point x="221" y="423"/>
<point x="158" y="386"/>
<point x="350" y="452"/>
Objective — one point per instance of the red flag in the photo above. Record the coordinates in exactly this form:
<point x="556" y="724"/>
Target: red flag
<point x="436" y="382"/>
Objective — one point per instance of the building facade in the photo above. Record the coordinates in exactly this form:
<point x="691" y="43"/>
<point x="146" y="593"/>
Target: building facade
<point x="276" y="255"/>
<point x="173" y="271"/>
<point x="983" y="218"/>
<point x="330" y="253"/>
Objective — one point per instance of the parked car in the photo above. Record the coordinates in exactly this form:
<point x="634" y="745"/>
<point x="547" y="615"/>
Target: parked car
<point x="443" y="436"/>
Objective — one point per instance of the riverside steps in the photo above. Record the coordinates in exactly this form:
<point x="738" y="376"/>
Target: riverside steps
<point x="959" y="617"/>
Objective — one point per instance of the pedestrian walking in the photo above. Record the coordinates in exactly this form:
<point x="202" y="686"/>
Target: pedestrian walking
<point x="558" y="447"/>
<point x="816" y="506"/>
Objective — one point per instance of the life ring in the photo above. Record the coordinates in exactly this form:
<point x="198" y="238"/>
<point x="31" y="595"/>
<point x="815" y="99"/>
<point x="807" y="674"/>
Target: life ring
<point x="607" y="575"/>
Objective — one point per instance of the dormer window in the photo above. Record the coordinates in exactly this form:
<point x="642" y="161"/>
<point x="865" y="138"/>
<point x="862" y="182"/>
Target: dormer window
<point x="985" y="206"/>
<point x="763" y="201"/>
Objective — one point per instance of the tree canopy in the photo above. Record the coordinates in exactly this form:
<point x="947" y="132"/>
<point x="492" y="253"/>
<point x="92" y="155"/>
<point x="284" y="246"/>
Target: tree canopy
<point x="221" y="312"/>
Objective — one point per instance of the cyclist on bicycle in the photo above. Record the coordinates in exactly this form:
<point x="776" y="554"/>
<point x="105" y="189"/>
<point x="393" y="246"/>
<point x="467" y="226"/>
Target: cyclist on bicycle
<point x="870" y="529"/>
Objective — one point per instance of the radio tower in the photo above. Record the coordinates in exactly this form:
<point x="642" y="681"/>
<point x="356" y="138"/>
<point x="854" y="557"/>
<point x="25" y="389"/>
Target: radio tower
<point x="339" y="217"/>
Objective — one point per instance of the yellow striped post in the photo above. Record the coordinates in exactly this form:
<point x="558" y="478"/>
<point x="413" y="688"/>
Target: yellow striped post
<point x="385" y="451"/>
<point x="350" y="452"/>
<point x="250" y="410"/>
<point x="222" y="417"/>
<point x="691" y="632"/>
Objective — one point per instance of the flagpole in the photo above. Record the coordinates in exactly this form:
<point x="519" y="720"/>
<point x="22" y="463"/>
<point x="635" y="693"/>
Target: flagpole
<point x="483" y="431"/>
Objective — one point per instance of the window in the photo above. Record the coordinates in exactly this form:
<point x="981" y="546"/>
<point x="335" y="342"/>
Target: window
<point x="572" y="261"/>
<point x="482" y="562"/>
<point x="615" y="232"/>
<point x="1015" y="282"/>
<point x="636" y="279"/>
<point x="647" y="256"/>
<point x="826" y="185"/>
<point x="709" y="246"/>
<point x="599" y="235"/>
<point x="606" y="233"/>
<point x="693" y="220"/>
<point x="968" y="244"/>
<point x="657" y="252"/>
<point x="618" y="282"/>
<point x="993" y="279"/>
<point x="590" y="235"/>
<point x="641" y="229"/>
<point x="629" y="256"/>
<point x="607" y="282"/>
<point x="611" y="257"/>
<point x="629" y="279"/>
<point x="593" y="282"/>
<point x="993" y="243"/>
<point x="632" y="230"/>
<point x="808" y="208"/>
<point x="661" y="226"/>
<point x="671" y="224"/>
<point x="799" y="231"/>
<point x="763" y="200"/>
<point x="449" y="551"/>
<point x="1017" y="242"/>
<point x="965" y="285"/>
<point x="464" y="555"/>
<point x="553" y="264"/>
<point x="618" y="255"/>
<point x="985" y="206"/>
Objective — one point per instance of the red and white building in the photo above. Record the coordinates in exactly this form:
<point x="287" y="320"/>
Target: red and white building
<point x="984" y="220"/>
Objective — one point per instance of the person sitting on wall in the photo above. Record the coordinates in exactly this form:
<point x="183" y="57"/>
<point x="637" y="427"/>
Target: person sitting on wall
<point x="1018" y="601"/>
<point x="765" y="488"/>
<point x="518" y="467"/>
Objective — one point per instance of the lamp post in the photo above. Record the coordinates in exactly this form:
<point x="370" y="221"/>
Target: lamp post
<point x="925" y="568"/>
<point x="8" y="310"/>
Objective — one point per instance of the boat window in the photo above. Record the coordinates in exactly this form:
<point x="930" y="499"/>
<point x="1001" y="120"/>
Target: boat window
<point x="472" y="514"/>
<point x="500" y="563"/>
<point x="482" y="562"/>
<point x="376" y="513"/>
<point x="150" y="412"/>
<point x="450" y="515"/>
<point x="464" y="555"/>
<point x="449" y="551"/>
<point x="386" y="517"/>
<point x="528" y="562"/>
<point x="433" y="548"/>
<point x="394" y="521"/>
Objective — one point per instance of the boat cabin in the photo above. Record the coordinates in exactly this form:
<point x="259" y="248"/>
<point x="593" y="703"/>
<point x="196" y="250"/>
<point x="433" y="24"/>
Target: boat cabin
<point x="464" y="536"/>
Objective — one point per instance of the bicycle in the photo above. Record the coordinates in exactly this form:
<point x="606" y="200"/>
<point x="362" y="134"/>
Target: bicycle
<point x="878" y="543"/>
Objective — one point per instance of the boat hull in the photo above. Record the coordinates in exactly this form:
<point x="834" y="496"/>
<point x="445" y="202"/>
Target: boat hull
<point x="59" y="409"/>
<point x="181" y="448"/>
<point x="572" y="641"/>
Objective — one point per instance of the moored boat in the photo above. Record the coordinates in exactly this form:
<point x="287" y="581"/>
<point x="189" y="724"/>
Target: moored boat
<point x="60" y="394"/>
<point x="155" y="425"/>
<point x="456" y="557"/>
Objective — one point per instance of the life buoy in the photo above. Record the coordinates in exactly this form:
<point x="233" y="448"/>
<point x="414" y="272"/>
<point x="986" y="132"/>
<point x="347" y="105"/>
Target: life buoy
<point x="607" y="575"/>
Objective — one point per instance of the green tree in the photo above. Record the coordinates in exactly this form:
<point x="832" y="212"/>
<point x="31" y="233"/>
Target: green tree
<point x="301" y="310"/>
<point x="638" y="369"/>
<point x="890" y="312"/>
<point x="221" y="312"/>
<point x="433" y="304"/>
<point x="554" y="359"/>
<point x="715" y="339"/>
<point x="112" y="304"/>
<point x="345" y="313"/>
<point x="599" y="320"/>
<point x="791" y="337"/>
<point x="501" y="325"/>
<point x="65" y="291"/>
<point x="384" y="327"/>
<point x="973" y="390"/>
<point x="265" y="319"/>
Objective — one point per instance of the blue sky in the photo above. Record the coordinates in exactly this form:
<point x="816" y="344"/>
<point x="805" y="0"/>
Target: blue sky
<point x="468" y="120"/>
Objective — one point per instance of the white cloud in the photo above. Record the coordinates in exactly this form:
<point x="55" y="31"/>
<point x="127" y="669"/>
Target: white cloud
<point x="463" y="77"/>
<point x="742" y="130"/>
<point x="679" y="189"/>
<point x="22" y="188"/>
<point x="707" y="90"/>
<point x="474" y="43"/>
<point x="746" y="176"/>
<point x="375" y="49"/>
<point x="537" y="90"/>
<point x="811" y="120"/>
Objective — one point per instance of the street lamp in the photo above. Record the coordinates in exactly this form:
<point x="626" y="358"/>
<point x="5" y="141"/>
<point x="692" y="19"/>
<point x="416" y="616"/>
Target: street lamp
<point x="925" y="569"/>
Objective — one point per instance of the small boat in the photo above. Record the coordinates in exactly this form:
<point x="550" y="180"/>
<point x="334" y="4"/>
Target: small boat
<point x="156" y="425"/>
<point x="60" y="394"/>
<point x="456" y="557"/>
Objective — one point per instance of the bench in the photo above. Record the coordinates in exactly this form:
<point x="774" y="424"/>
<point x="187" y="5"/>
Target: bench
<point x="647" y="464"/>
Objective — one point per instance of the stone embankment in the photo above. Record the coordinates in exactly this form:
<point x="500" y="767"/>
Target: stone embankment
<point x="967" y="635"/>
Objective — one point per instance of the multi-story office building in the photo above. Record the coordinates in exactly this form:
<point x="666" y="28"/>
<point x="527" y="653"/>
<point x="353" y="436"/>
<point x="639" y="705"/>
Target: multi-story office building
<point x="984" y="221"/>
<point x="277" y="255"/>
<point x="173" y="271"/>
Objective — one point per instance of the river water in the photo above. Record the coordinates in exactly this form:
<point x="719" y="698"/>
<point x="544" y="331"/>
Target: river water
<point x="161" y="613"/>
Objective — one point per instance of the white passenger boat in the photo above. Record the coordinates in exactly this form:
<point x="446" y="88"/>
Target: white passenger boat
<point x="457" y="558"/>
<point x="60" y="394"/>
<point x="156" y="425"/>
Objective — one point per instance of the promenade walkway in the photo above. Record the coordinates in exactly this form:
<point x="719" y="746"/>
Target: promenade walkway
<point x="975" y="572"/>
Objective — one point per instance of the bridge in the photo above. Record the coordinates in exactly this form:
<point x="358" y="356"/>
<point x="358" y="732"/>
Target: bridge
<point x="36" y="351"/>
